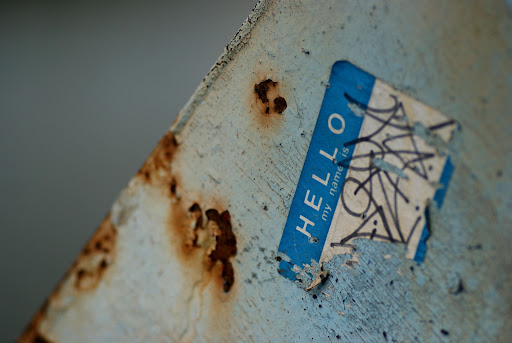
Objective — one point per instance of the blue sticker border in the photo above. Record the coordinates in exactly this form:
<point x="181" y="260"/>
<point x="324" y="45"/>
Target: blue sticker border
<point x="346" y="79"/>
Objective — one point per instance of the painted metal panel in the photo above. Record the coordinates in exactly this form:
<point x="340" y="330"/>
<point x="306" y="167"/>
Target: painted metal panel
<point x="189" y="251"/>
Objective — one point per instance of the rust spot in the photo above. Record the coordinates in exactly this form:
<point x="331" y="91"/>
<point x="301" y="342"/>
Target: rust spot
<point x="86" y="271"/>
<point x="280" y="104"/>
<point x="225" y="246"/>
<point x="40" y="339"/>
<point x="268" y="98"/>
<point x="172" y="187"/>
<point x="186" y="225"/>
<point x="262" y="89"/>
<point x="157" y="165"/>
<point x="96" y="256"/>
<point x="197" y="215"/>
<point x="207" y="244"/>
<point x="31" y="333"/>
<point x="204" y="241"/>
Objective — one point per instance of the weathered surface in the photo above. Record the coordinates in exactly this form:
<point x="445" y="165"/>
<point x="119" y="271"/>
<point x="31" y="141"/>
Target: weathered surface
<point x="178" y="267"/>
<point x="83" y="276"/>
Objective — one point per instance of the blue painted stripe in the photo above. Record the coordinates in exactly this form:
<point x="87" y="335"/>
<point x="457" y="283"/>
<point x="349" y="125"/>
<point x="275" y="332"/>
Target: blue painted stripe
<point x="346" y="79"/>
<point x="444" y="180"/>
<point x="446" y="175"/>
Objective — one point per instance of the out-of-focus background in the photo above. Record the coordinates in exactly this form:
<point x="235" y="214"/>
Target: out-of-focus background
<point x="87" y="88"/>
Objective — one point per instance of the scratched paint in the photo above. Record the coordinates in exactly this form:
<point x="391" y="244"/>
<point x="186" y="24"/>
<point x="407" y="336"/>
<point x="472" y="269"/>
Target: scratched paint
<point x="229" y="156"/>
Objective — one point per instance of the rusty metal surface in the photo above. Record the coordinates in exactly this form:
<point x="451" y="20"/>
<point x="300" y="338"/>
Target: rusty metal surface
<point x="189" y="250"/>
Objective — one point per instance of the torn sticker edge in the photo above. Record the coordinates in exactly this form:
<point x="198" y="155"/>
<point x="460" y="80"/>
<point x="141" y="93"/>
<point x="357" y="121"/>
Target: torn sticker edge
<point x="421" y="249"/>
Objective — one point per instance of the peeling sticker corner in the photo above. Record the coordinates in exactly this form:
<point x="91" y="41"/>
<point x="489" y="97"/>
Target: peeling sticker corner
<point x="311" y="276"/>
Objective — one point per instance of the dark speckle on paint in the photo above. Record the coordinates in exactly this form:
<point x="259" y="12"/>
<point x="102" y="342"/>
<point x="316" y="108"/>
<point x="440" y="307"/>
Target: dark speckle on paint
<point x="475" y="247"/>
<point x="460" y="288"/>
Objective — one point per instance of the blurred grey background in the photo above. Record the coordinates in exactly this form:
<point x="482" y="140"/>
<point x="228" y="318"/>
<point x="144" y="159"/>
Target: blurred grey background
<point x="87" y="88"/>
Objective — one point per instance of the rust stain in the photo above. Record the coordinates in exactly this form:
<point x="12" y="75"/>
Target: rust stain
<point x="156" y="169"/>
<point x="96" y="257"/>
<point x="204" y="241"/>
<point x="225" y="246"/>
<point x="262" y="89"/>
<point x="186" y="227"/>
<point x="41" y="339"/>
<point x="197" y="217"/>
<point x="87" y="271"/>
<point x="31" y="333"/>
<point x="201" y="240"/>
<point x="268" y="99"/>
<point x="280" y="104"/>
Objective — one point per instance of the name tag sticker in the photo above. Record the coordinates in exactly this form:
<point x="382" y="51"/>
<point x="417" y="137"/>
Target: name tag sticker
<point x="376" y="159"/>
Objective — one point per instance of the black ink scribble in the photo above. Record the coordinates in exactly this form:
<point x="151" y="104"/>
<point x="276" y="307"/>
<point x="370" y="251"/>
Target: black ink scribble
<point x="393" y="119"/>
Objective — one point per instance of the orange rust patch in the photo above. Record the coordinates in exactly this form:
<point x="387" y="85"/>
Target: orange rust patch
<point x="268" y="98"/>
<point x="185" y="225"/>
<point x="87" y="269"/>
<point x="262" y="89"/>
<point x="31" y="333"/>
<point x="206" y="244"/>
<point x="173" y="187"/>
<point x="225" y="246"/>
<point x="204" y="241"/>
<point x="158" y="164"/>
<point x="197" y="216"/>
<point x="41" y="339"/>
<point x="96" y="257"/>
